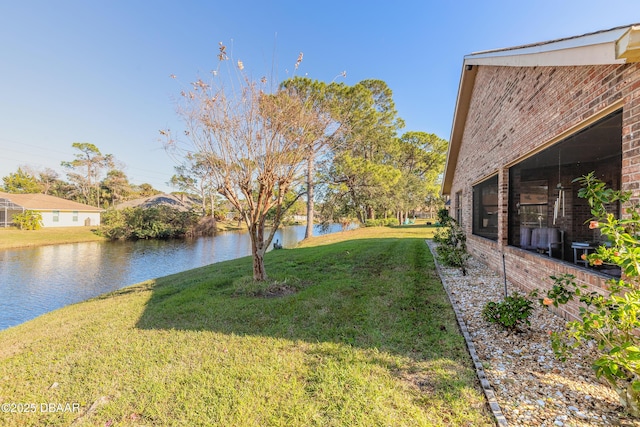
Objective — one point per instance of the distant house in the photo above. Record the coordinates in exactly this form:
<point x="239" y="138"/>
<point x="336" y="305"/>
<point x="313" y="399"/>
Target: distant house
<point x="56" y="212"/>
<point x="528" y="121"/>
<point x="181" y="203"/>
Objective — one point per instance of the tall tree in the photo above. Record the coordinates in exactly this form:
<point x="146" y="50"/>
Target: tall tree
<point x="420" y="157"/>
<point x="194" y="175"/>
<point x="86" y="170"/>
<point x="47" y="179"/>
<point x="117" y="187"/>
<point x="144" y="190"/>
<point x="362" y="169"/>
<point x="255" y="141"/>
<point x="20" y="182"/>
<point x="323" y="99"/>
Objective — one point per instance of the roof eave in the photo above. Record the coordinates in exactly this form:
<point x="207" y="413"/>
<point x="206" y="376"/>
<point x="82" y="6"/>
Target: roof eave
<point x="628" y="45"/>
<point x="465" y="89"/>
<point x="616" y="46"/>
<point x="592" y="49"/>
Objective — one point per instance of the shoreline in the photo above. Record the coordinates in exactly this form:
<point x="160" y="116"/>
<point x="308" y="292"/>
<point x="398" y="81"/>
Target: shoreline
<point x="13" y="238"/>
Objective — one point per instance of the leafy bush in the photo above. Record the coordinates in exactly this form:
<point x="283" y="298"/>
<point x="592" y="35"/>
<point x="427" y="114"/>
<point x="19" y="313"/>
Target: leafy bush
<point x="391" y="222"/>
<point x="160" y="222"/>
<point x="512" y="313"/>
<point x="381" y="222"/>
<point x="28" y="220"/>
<point x="443" y="216"/>
<point x="611" y="321"/>
<point x="452" y="243"/>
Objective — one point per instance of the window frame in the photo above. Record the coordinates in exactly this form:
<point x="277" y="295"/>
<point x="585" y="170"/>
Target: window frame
<point x="485" y="208"/>
<point x="458" y="207"/>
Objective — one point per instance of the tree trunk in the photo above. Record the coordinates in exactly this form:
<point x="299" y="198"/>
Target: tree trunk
<point x="371" y="213"/>
<point x="259" y="272"/>
<point x="310" y="206"/>
<point x="213" y="212"/>
<point x="629" y="398"/>
<point x="258" y="250"/>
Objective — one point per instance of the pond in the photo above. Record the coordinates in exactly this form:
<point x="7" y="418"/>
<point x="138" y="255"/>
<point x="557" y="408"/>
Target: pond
<point x="37" y="280"/>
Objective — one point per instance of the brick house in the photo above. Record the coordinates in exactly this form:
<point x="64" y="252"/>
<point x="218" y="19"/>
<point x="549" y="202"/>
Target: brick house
<point x="528" y="120"/>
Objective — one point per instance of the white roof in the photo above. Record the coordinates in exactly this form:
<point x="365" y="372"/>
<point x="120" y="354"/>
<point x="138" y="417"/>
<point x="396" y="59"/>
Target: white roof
<point x="615" y="46"/>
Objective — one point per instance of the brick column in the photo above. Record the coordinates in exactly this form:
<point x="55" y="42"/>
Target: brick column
<point x="503" y="204"/>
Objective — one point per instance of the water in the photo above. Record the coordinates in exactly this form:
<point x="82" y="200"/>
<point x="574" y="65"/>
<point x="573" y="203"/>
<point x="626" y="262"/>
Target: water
<point x="37" y="280"/>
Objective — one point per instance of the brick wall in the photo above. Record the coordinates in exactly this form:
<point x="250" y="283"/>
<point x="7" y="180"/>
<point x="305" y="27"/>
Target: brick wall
<point x="515" y="110"/>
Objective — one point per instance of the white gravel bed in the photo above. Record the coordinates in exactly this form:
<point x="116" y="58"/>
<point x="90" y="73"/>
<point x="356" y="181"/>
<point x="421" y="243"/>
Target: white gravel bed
<point x="531" y="386"/>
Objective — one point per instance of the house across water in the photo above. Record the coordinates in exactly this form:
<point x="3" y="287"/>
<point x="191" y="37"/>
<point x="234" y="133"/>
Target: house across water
<point x="56" y="212"/>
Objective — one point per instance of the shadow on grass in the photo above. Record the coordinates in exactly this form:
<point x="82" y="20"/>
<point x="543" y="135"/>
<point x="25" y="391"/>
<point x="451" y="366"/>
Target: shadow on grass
<point x="368" y="302"/>
<point x="371" y="293"/>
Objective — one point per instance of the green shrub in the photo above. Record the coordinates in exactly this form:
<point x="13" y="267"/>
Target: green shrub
<point x="611" y="321"/>
<point x="452" y="244"/>
<point x="443" y="216"/>
<point x="160" y="222"/>
<point x="392" y="222"/>
<point x="512" y="313"/>
<point x="28" y="220"/>
<point x="381" y="222"/>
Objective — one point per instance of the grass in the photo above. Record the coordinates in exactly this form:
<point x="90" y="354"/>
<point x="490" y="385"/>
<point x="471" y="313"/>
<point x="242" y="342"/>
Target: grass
<point x="367" y="339"/>
<point x="11" y="237"/>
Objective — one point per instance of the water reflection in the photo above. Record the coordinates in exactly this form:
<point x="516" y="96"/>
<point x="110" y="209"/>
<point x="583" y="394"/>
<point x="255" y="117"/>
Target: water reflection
<point x="37" y="280"/>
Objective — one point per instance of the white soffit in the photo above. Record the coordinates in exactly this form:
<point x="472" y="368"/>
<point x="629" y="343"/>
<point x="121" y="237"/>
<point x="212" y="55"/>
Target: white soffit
<point x="591" y="49"/>
<point x="628" y="46"/>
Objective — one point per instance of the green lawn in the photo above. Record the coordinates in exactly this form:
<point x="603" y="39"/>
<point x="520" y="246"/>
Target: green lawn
<point x="11" y="237"/>
<point x="368" y="339"/>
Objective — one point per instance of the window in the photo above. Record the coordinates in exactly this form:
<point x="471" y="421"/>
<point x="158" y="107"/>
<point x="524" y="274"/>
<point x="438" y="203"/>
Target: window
<point x="485" y="208"/>
<point x="56" y="216"/>
<point x="74" y="218"/>
<point x="458" y="207"/>
<point x="544" y="199"/>
<point x="533" y="203"/>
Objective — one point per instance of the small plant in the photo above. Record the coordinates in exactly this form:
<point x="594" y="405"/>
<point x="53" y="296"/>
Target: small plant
<point x="452" y="243"/>
<point x="512" y="313"/>
<point x="563" y="290"/>
<point x="28" y="220"/>
<point x="382" y="222"/>
<point x="443" y="216"/>
<point x="611" y="321"/>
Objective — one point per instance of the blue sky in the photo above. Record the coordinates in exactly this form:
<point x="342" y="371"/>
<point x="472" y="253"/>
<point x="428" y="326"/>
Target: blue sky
<point x="98" y="71"/>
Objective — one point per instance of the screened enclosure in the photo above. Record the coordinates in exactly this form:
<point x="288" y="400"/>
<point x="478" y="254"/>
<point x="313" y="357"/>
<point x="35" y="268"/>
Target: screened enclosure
<point x="545" y="213"/>
<point x="7" y="210"/>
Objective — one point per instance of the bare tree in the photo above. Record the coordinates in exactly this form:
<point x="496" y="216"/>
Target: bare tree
<point x="256" y="142"/>
<point x="194" y="175"/>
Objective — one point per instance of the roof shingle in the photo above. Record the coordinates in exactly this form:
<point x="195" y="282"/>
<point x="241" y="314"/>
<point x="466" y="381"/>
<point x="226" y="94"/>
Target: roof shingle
<point x="47" y="202"/>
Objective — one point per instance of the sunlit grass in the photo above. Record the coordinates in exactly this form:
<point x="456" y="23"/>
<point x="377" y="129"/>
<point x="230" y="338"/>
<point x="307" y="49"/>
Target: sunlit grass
<point x="11" y="237"/>
<point x="368" y="339"/>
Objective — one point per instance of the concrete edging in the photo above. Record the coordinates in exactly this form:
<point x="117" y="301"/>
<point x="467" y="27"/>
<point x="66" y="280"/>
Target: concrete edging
<point x="484" y="382"/>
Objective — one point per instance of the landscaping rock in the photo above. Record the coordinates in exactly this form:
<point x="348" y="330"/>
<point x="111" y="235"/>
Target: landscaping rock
<point x="531" y="386"/>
